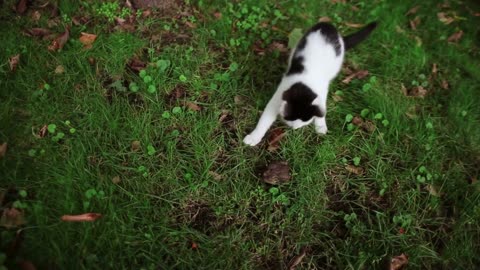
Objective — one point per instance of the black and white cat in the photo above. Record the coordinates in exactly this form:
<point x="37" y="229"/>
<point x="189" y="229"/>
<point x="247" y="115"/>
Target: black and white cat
<point x="301" y="97"/>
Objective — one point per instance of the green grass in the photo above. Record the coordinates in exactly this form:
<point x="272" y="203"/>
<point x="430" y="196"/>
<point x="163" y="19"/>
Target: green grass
<point x="198" y="183"/>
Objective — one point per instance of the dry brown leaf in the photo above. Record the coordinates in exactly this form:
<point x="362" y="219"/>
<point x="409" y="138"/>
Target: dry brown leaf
<point x="444" y="18"/>
<point x="136" y="146"/>
<point x="455" y="37"/>
<point x="434" y="69"/>
<point x="13" y="62"/>
<point x="477" y="14"/>
<point x="417" y="91"/>
<point x="190" y="25"/>
<point x="358" y="75"/>
<point x="124" y="25"/>
<point x="215" y="175"/>
<point x="368" y="126"/>
<point x="81" y="218"/>
<point x="12" y="218"/>
<point x="239" y="100"/>
<point x="277" y="172"/>
<point x="413" y="10"/>
<point x="279" y="47"/>
<point x="324" y="19"/>
<point x="274" y="139"/>
<point x="3" y="149"/>
<point x="116" y="180"/>
<point x="79" y="20"/>
<point x="433" y="191"/>
<point x="136" y="64"/>
<point x="354" y="169"/>
<point x="59" y="69"/>
<point x="354" y="25"/>
<point x="398" y="262"/>
<point x="414" y="23"/>
<point x="357" y="120"/>
<point x="193" y="106"/>
<point x="37" y="32"/>
<point x="87" y="40"/>
<point x="60" y="41"/>
<point x="21" y="7"/>
<point x="36" y="15"/>
<point x="217" y="15"/>
<point x="223" y="116"/>
<point x="297" y="259"/>
<point x="444" y="84"/>
<point x="43" y="131"/>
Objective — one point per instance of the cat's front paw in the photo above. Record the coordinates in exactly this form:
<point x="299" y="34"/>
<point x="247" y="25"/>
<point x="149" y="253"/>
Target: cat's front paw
<point x="321" y="130"/>
<point x="252" y="140"/>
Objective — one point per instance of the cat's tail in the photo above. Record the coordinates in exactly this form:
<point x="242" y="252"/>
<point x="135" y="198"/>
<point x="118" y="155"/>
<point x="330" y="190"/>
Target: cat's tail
<point x="352" y="40"/>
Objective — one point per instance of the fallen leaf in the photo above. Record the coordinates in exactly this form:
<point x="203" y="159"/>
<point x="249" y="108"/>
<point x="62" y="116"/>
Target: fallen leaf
<point x="417" y="91"/>
<point x="79" y="20"/>
<point x="215" y="175"/>
<point x="59" y="69"/>
<point x="279" y="47"/>
<point x="357" y="120"/>
<point x="136" y="64"/>
<point x="434" y="69"/>
<point x="414" y="23"/>
<point x="13" y="62"/>
<point x="12" y="218"/>
<point x="146" y="13"/>
<point x="217" y="15"/>
<point x="324" y="19"/>
<point x="193" y="106"/>
<point x="116" y="180"/>
<point x="37" y="32"/>
<point x="190" y="24"/>
<point x="455" y="37"/>
<point x="277" y="172"/>
<point x="81" y="218"/>
<point x="223" y="116"/>
<point x="194" y="245"/>
<point x="412" y="10"/>
<point x="87" y="40"/>
<point x="3" y="149"/>
<point x="477" y="14"/>
<point x="354" y="169"/>
<point x="21" y="7"/>
<point x="92" y="61"/>
<point x="43" y="131"/>
<point x="444" y="84"/>
<point x="368" y="126"/>
<point x="401" y="230"/>
<point x="136" y="146"/>
<point x="359" y="75"/>
<point x="36" y="15"/>
<point x="433" y="191"/>
<point x="354" y="25"/>
<point x="239" y="99"/>
<point x="274" y="139"/>
<point x="398" y="262"/>
<point x="124" y="25"/>
<point x="297" y="259"/>
<point x="444" y="18"/>
<point x="60" y="41"/>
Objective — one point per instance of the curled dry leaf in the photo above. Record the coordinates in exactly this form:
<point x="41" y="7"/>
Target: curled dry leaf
<point x="414" y="23"/>
<point x="13" y="62"/>
<point x="279" y="47"/>
<point x="21" y="7"/>
<point x="87" y="217"/>
<point x="434" y="69"/>
<point x="116" y="180"/>
<point x="59" y="69"/>
<point x="215" y="175"/>
<point x="12" y="218"/>
<point x="444" y="18"/>
<point x="36" y="15"/>
<point x="217" y="15"/>
<point x="417" y="91"/>
<point x="412" y="10"/>
<point x="398" y="262"/>
<point x="358" y="75"/>
<point x="455" y="37"/>
<point x="357" y="120"/>
<point x="37" y="32"/>
<point x="87" y="40"/>
<point x="190" y="25"/>
<point x="444" y="84"/>
<point x="354" y="169"/>
<point x="3" y="149"/>
<point x="297" y="259"/>
<point x="193" y="106"/>
<point x="274" y="139"/>
<point x="277" y="172"/>
<point x="136" y="64"/>
<point x="136" y="146"/>
<point x="354" y="25"/>
<point x="324" y="19"/>
<point x="43" y="131"/>
<point x="60" y="41"/>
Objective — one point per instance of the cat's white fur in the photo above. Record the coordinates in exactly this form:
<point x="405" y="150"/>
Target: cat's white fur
<point x="321" y="65"/>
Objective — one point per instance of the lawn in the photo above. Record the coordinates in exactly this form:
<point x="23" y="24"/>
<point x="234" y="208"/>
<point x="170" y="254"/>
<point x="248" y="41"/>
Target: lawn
<point x="142" y="122"/>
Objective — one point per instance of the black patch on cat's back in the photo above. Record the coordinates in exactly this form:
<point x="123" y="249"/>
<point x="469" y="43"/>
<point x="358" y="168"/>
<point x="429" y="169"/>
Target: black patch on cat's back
<point x="299" y="98"/>
<point x="328" y="31"/>
<point x="296" y="66"/>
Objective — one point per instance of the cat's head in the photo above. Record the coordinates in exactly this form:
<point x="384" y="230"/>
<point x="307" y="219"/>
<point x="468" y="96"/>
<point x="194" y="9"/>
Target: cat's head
<point x="298" y="108"/>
